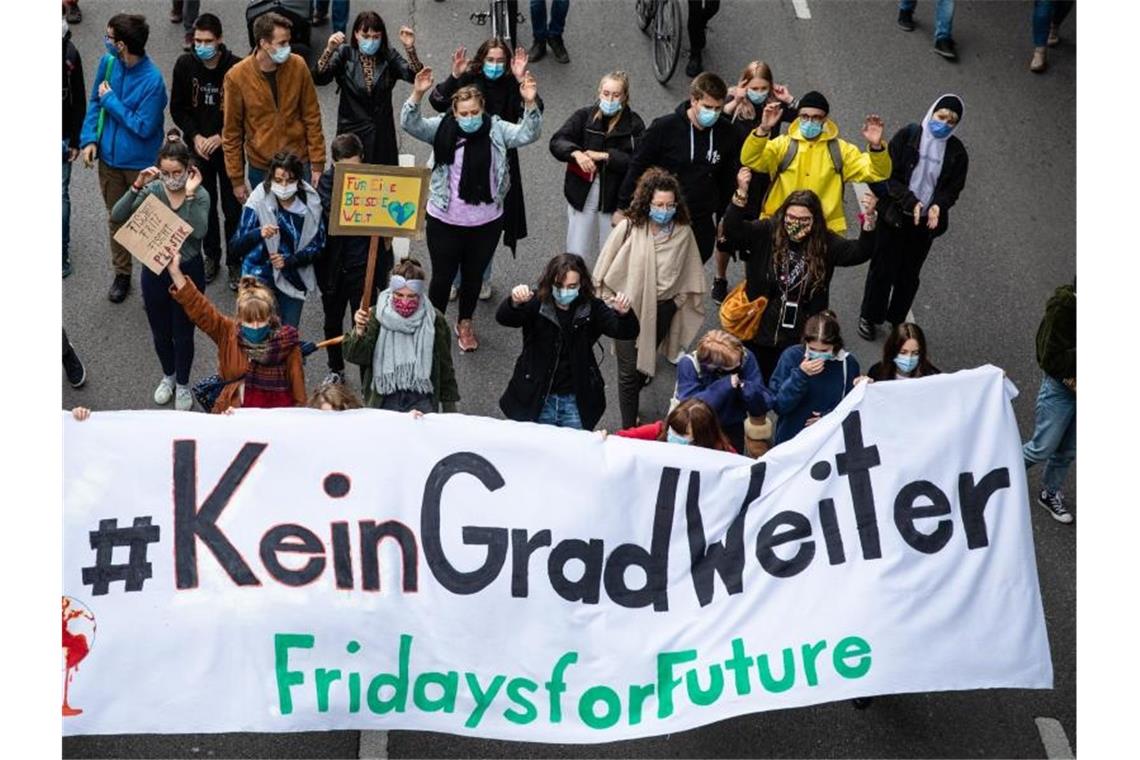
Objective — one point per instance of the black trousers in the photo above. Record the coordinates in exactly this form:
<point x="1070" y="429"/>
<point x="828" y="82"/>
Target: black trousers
<point x="700" y="11"/>
<point x="892" y="278"/>
<point x="217" y="184"/>
<point x="170" y="327"/>
<point x="767" y="357"/>
<point x="346" y="294"/>
<point x="466" y="250"/>
<point x="630" y="379"/>
<point x="704" y="230"/>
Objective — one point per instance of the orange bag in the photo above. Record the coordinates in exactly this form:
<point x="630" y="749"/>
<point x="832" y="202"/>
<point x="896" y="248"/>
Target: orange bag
<point x="739" y="316"/>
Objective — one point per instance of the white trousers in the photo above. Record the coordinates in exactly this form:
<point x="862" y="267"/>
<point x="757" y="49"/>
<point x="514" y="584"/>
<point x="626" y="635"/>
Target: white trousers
<point x="587" y="230"/>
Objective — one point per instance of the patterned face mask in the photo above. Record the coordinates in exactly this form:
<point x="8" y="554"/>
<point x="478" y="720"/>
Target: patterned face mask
<point x="797" y="229"/>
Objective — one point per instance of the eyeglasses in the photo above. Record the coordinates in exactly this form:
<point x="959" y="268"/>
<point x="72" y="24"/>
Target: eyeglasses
<point x="804" y="219"/>
<point x="814" y="119"/>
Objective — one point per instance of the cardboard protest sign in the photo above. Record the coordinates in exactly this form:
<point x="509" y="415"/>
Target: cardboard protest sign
<point x="373" y="199"/>
<point x="519" y="581"/>
<point x="153" y="234"/>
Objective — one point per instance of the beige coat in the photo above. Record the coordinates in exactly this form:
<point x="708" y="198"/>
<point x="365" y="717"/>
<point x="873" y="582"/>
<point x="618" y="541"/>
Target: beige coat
<point x="648" y="272"/>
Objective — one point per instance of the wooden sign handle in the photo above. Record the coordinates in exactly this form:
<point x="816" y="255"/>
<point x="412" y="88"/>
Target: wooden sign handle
<point x="370" y="273"/>
<point x="331" y="342"/>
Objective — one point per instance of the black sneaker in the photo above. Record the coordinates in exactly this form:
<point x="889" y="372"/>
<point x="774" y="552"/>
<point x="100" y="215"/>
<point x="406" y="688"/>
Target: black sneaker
<point x="559" y="50"/>
<point x="319" y="19"/>
<point x="211" y="268"/>
<point x="234" y="276"/>
<point x="906" y="21"/>
<point x="945" y="48"/>
<point x="868" y="330"/>
<point x="66" y="269"/>
<point x="74" y="15"/>
<point x="537" y="51"/>
<point x="120" y="286"/>
<point x="1055" y="503"/>
<point x="862" y="703"/>
<point x="695" y="66"/>
<point x="73" y="368"/>
<point x="719" y="289"/>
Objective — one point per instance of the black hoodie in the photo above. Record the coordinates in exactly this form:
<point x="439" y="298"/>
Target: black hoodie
<point x="706" y="171"/>
<point x="196" y="94"/>
<point x="74" y="93"/>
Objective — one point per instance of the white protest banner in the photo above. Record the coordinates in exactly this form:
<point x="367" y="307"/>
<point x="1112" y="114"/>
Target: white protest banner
<point x="153" y="234"/>
<point x="294" y="570"/>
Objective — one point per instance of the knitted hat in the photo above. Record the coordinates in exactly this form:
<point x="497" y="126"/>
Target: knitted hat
<point x="814" y="99"/>
<point x="950" y="102"/>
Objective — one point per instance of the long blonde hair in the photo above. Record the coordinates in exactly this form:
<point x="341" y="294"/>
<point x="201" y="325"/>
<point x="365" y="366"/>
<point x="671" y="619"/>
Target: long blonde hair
<point x="622" y="78"/>
<point x="754" y="70"/>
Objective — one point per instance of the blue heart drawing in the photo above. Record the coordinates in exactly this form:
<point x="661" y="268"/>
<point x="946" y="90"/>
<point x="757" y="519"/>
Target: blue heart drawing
<point x="401" y="212"/>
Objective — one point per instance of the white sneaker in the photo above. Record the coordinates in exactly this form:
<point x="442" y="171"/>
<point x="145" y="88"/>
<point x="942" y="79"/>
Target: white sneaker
<point x="485" y="291"/>
<point x="164" y="392"/>
<point x="454" y="293"/>
<point x="183" y="399"/>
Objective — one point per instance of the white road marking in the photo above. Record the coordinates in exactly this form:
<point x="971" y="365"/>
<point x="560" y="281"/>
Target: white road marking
<point x="374" y="744"/>
<point x="802" y="10"/>
<point x="402" y="246"/>
<point x="1054" y="738"/>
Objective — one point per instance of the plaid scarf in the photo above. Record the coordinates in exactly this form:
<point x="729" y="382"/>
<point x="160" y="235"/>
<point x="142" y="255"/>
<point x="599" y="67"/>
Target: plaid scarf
<point x="267" y="358"/>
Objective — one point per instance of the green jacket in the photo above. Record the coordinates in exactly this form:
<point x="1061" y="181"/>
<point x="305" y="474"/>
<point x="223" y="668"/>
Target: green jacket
<point x="358" y="350"/>
<point x="1057" y="335"/>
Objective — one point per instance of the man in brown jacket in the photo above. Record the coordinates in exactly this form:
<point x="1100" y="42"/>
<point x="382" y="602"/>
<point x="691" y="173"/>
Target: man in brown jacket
<point x="271" y="105"/>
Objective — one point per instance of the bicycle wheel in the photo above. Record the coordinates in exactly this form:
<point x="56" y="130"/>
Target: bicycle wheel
<point x="644" y="9"/>
<point x="667" y="33"/>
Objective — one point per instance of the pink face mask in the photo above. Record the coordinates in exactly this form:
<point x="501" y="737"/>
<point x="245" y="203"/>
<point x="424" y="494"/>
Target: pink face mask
<point x="406" y="307"/>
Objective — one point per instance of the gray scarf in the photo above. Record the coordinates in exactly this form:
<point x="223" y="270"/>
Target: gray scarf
<point x="402" y="358"/>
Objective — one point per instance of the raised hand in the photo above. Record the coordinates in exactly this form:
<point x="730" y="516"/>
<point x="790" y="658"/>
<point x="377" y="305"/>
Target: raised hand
<point x="407" y="36"/>
<point x="336" y="39"/>
<point x="621" y="303"/>
<point x="459" y="61"/>
<point x="780" y="92"/>
<point x="873" y="131"/>
<point x="771" y="115"/>
<point x="743" y="179"/>
<point x="147" y="175"/>
<point x="529" y="88"/>
<point x="194" y="181"/>
<point x="520" y="294"/>
<point x="519" y="61"/>
<point x="423" y="83"/>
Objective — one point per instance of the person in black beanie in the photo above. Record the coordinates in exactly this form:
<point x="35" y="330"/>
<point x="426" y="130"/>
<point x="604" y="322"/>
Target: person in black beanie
<point x="928" y="171"/>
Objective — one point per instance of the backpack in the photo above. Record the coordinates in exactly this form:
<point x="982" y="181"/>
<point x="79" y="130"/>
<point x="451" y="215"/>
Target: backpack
<point x="790" y="153"/>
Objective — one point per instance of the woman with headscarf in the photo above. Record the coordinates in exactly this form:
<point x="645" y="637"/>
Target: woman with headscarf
<point x="928" y="171"/>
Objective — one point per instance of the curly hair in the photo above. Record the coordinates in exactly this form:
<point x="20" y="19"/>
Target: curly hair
<point x="814" y="245"/>
<point x="653" y="180"/>
<point x="291" y="163"/>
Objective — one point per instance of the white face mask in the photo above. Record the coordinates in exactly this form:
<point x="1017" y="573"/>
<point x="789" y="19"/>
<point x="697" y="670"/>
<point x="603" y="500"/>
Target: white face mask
<point x="284" y="191"/>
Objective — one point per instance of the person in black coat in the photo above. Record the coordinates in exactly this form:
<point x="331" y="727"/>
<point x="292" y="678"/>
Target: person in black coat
<point x="196" y="108"/>
<point x="366" y="70"/>
<point x="341" y="266"/>
<point x="928" y="171"/>
<point x="596" y="143"/>
<point x="74" y="112"/>
<point x="793" y="258"/>
<point x="556" y="379"/>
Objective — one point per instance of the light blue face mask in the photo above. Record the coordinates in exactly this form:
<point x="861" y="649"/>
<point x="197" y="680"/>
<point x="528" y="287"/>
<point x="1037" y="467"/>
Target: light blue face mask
<point x="565" y="296"/>
<point x="706" y="117"/>
<point x="205" y="52"/>
<point x="906" y="364"/>
<point x="662" y="216"/>
<point x="493" y="70"/>
<point x="825" y="355"/>
<point x="111" y="49"/>
<point x="758" y="97"/>
<point x="367" y="46"/>
<point x="939" y="129"/>
<point x="280" y="55"/>
<point x="609" y="107"/>
<point x="672" y="437"/>
<point x="811" y="129"/>
<point x="470" y="124"/>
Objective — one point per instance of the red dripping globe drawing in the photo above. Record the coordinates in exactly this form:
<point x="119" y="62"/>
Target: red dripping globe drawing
<point x="78" y="638"/>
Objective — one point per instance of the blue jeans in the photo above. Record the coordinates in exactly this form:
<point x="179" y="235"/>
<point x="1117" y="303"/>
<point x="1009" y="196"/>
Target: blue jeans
<point x="943" y="16"/>
<point x="538" y="25"/>
<point x="1046" y="12"/>
<point x="288" y="308"/>
<point x="1054" y="438"/>
<point x="560" y="411"/>
<point x="66" y="209"/>
<point x="339" y="12"/>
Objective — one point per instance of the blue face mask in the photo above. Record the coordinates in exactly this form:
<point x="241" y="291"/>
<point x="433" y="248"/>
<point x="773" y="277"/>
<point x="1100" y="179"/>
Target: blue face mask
<point x="672" y="437"/>
<point x="662" y="216"/>
<point x="939" y="129"/>
<point x="609" y="107"/>
<point x="493" y="70"/>
<point x="205" y="52"/>
<point x="906" y="364"/>
<point x="565" y="296"/>
<point x="280" y="55"/>
<point x="470" y="124"/>
<point x="706" y="117"/>
<point x="825" y="355"/>
<point x="254" y="334"/>
<point x="758" y="97"/>
<point x="368" y="47"/>
<point x="111" y="49"/>
<point x="811" y="129"/>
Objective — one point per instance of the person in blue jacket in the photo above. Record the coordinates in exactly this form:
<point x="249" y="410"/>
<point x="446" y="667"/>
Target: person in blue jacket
<point x="727" y="378"/>
<point x="123" y="125"/>
<point x="812" y="377"/>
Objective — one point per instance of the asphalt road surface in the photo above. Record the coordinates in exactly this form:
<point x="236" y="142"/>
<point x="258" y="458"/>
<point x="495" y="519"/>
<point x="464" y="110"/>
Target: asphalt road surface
<point x="1011" y="241"/>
